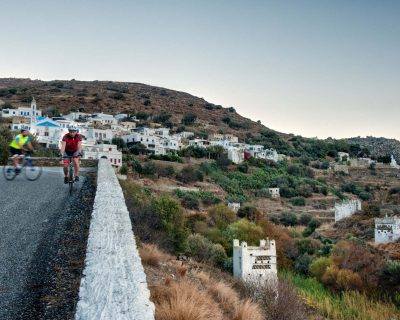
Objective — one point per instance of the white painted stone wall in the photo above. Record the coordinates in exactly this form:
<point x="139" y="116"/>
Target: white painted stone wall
<point x="113" y="286"/>
<point x="255" y="264"/>
<point x="346" y="208"/>
<point x="387" y="229"/>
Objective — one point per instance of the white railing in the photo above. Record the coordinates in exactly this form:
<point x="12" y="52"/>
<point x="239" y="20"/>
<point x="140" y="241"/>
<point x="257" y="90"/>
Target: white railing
<point x="114" y="284"/>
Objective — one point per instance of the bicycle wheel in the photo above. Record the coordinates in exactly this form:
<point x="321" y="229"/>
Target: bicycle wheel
<point x="32" y="172"/>
<point x="9" y="172"/>
<point x="71" y="179"/>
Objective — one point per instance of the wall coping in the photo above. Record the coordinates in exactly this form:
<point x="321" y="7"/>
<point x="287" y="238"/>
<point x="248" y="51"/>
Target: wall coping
<point x="114" y="284"/>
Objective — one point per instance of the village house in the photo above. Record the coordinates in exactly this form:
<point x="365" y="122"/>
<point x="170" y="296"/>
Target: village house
<point x="220" y="137"/>
<point x="343" y="156"/>
<point x="255" y="264"/>
<point x="274" y="192"/>
<point x="26" y="112"/>
<point x="346" y="208"/>
<point x="108" y="151"/>
<point x="234" y="206"/>
<point x="102" y="119"/>
<point x="236" y="155"/>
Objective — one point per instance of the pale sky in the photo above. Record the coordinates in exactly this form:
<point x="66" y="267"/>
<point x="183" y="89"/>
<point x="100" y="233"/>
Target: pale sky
<point x="316" y="68"/>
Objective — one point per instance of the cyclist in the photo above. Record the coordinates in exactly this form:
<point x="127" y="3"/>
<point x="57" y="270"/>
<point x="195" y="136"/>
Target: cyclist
<point x="71" y="146"/>
<point x="17" y="147"/>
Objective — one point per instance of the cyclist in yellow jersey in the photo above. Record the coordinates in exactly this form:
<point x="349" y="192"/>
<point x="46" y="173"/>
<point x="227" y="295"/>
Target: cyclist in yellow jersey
<point x="17" y="147"/>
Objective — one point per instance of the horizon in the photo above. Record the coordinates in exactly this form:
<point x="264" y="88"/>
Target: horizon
<point x="310" y="68"/>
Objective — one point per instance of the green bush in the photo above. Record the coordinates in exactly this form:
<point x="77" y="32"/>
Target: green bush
<point x="123" y="169"/>
<point x="190" y="201"/>
<point x="244" y="230"/>
<point x="305" y="218"/>
<point x="318" y="267"/>
<point x="220" y="216"/>
<point x="249" y="212"/>
<point x="172" y="219"/>
<point x="302" y="264"/>
<point x="288" y="219"/>
<point x="189" y="174"/>
<point x="298" y="201"/>
<point x="189" y="119"/>
<point x="204" y="250"/>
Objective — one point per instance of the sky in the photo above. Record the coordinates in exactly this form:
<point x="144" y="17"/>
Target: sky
<point x="316" y="68"/>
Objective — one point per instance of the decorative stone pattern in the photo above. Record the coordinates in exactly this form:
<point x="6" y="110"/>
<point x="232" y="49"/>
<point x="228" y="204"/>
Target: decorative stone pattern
<point x="113" y="285"/>
<point x="387" y="229"/>
<point x="255" y="263"/>
<point x="346" y="209"/>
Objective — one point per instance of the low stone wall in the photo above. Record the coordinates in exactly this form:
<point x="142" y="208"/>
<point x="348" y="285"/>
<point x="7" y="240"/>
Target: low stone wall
<point x="114" y="284"/>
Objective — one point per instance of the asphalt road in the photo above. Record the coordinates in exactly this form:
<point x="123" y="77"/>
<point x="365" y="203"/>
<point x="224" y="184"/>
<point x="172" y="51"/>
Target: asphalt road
<point x="28" y="211"/>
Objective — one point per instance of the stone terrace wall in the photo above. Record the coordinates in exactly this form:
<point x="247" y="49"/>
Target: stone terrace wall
<point x="113" y="285"/>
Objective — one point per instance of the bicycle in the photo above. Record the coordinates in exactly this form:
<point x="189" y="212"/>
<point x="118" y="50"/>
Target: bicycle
<point x="71" y="179"/>
<point x="31" y="172"/>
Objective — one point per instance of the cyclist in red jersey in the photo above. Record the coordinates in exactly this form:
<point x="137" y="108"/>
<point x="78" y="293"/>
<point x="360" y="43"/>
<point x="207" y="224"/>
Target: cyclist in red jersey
<point x="71" y="146"/>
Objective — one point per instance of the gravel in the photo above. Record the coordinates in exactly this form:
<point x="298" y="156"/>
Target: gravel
<point x="42" y="245"/>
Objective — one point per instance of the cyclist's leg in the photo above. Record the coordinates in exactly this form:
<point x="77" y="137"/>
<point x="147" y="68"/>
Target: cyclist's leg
<point x="76" y="166"/>
<point x="16" y="155"/>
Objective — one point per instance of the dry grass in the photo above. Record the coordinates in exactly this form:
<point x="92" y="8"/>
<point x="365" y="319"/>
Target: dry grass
<point x="184" y="301"/>
<point x="152" y="256"/>
<point x="248" y="310"/>
<point x="227" y="297"/>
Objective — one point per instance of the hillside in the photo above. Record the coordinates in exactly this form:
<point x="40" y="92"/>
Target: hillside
<point x="379" y="147"/>
<point x="123" y="97"/>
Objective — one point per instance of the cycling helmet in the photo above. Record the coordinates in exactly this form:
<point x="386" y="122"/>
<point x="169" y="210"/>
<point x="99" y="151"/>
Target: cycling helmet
<point x="72" y="128"/>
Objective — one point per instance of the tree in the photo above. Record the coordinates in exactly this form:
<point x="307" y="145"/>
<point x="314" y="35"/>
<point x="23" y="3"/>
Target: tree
<point x="189" y="119"/>
<point x="119" y="142"/>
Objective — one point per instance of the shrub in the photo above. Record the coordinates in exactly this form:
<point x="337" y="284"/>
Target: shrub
<point x="204" y="250"/>
<point x="189" y="174"/>
<point x="123" y="169"/>
<point x="190" y="201"/>
<point x="390" y="276"/>
<point x="244" y="230"/>
<point x="151" y="255"/>
<point x="148" y="168"/>
<point x="318" y="267"/>
<point x="302" y="264"/>
<point x="305" y="218"/>
<point x="189" y="119"/>
<point x="165" y="171"/>
<point x="288" y="219"/>
<point x="298" y="201"/>
<point x="172" y="219"/>
<point x="221" y="216"/>
<point x="250" y="213"/>
<point x="309" y="246"/>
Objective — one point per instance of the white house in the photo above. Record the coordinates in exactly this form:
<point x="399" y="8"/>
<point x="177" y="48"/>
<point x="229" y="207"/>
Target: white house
<point x="393" y="163"/>
<point x="274" y="192"/>
<point x="236" y="155"/>
<point x="102" y="118"/>
<point x="234" y="206"/>
<point x="220" y="137"/>
<point x="255" y="264"/>
<point x="99" y="135"/>
<point x="202" y="143"/>
<point x="346" y="209"/>
<point x="99" y="151"/>
<point x="26" y="112"/>
<point x="121" y="116"/>
<point x="387" y="229"/>
<point x="343" y="156"/>
<point x="77" y="116"/>
<point x="48" y="132"/>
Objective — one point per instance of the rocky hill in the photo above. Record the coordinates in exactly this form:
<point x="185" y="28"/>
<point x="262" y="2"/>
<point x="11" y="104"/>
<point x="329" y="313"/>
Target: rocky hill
<point x="379" y="147"/>
<point x="170" y="107"/>
<point x="123" y="97"/>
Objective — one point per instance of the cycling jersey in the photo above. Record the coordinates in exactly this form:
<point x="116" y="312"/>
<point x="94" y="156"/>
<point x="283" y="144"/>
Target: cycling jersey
<point x="71" y="143"/>
<point x="20" y="141"/>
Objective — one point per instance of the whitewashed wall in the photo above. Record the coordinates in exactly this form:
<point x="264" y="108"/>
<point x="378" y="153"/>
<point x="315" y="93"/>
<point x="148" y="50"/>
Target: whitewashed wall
<point x="113" y="286"/>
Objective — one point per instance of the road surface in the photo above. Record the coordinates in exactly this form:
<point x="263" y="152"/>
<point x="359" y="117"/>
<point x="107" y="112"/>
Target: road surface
<point x="28" y="212"/>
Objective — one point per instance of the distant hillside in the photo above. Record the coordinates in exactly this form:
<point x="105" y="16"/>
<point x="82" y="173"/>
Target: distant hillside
<point x="170" y="108"/>
<point x="122" y="97"/>
<point x="379" y="147"/>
